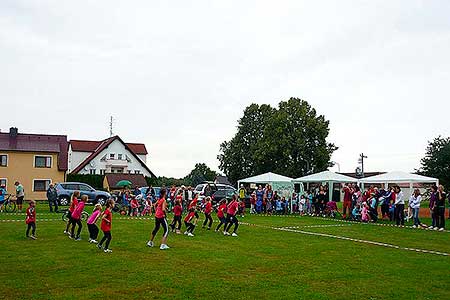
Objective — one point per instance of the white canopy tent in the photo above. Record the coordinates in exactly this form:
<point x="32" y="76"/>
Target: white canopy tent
<point x="399" y="177"/>
<point x="281" y="184"/>
<point x="325" y="176"/>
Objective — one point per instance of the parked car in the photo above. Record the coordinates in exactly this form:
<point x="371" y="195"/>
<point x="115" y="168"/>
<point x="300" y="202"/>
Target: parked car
<point x="66" y="189"/>
<point x="225" y="193"/>
<point x="205" y="189"/>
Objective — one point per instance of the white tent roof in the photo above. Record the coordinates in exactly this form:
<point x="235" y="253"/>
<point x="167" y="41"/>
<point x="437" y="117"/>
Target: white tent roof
<point x="266" y="178"/>
<point x="325" y="176"/>
<point x="398" y="177"/>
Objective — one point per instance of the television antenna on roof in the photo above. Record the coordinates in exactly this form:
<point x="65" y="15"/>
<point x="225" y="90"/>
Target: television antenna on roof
<point x="111" y="123"/>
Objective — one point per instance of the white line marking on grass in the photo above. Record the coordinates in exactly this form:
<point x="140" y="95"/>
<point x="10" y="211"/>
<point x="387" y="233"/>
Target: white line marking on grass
<point x="350" y="239"/>
<point x="317" y="226"/>
<point x="363" y="241"/>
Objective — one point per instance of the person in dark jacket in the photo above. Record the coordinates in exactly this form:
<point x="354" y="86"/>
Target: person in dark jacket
<point x="52" y="197"/>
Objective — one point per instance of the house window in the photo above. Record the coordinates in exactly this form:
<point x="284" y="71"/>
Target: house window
<point x="112" y="156"/>
<point x="41" y="185"/>
<point x="3" y="182"/>
<point x="102" y="171"/>
<point x="3" y="160"/>
<point x="42" y="161"/>
<point x="92" y="171"/>
<point x="137" y="172"/>
<point x="119" y="156"/>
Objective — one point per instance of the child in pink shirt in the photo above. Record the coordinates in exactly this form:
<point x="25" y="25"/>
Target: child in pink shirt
<point x="76" y="218"/>
<point x="365" y="213"/>
<point x="92" y="227"/>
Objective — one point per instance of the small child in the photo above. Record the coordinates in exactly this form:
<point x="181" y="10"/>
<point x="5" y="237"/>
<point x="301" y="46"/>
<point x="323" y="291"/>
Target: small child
<point x="221" y="213"/>
<point x="356" y="212"/>
<point x="208" y="210"/>
<point x="188" y="222"/>
<point x="301" y="205"/>
<point x="242" y="207"/>
<point x="31" y="220"/>
<point x="177" y="212"/>
<point x="147" y="207"/>
<point x="365" y="213"/>
<point x="134" y="207"/>
<point x="73" y="204"/>
<point x="76" y="218"/>
<point x="92" y="227"/>
<point x="106" y="226"/>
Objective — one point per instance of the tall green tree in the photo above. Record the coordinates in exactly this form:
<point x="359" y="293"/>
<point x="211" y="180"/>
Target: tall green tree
<point x="289" y="140"/>
<point x="201" y="172"/>
<point x="436" y="162"/>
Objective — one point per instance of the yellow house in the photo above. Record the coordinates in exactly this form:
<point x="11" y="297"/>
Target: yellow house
<point x="34" y="160"/>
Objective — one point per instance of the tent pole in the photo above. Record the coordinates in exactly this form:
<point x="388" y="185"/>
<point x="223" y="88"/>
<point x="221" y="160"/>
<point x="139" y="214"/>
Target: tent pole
<point x="330" y="190"/>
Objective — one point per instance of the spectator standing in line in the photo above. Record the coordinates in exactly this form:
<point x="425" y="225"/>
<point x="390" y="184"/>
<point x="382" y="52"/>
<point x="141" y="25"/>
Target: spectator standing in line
<point x="52" y="197"/>
<point x="414" y="203"/>
<point x="20" y="194"/>
<point x="347" y="190"/>
<point x="2" y="196"/>
<point x="399" y="206"/>
<point x="439" y="210"/>
<point x="433" y="198"/>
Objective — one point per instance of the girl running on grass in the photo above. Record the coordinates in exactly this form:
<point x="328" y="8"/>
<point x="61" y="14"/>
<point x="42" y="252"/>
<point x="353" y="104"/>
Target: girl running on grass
<point x="221" y="214"/>
<point x="73" y="204"/>
<point x="106" y="226"/>
<point x="76" y="218"/>
<point x="232" y="209"/>
<point x="188" y="222"/>
<point x="160" y="220"/>
<point x="177" y="212"/>
<point x="207" y="211"/>
<point x="31" y="220"/>
<point x="92" y="227"/>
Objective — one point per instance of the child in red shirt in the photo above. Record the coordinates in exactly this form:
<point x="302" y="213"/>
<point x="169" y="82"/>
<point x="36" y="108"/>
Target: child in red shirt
<point x="31" y="220"/>
<point x="207" y="211"/>
<point x="106" y="226"/>
<point x="232" y="209"/>
<point x="177" y="212"/>
<point x="134" y="207"/>
<point x="221" y="213"/>
<point x="188" y="222"/>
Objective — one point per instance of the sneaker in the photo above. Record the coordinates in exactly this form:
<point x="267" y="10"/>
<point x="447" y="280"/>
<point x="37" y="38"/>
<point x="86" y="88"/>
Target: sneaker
<point x="93" y="242"/>
<point x="414" y="226"/>
<point x="70" y="237"/>
<point x="99" y="247"/>
<point x="164" y="247"/>
<point x="107" y="251"/>
<point x="226" y="233"/>
<point x="78" y="239"/>
<point x="431" y="227"/>
<point x="32" y="237"/>
<point x="150" y="244"/>
<point x="234" y="234"/>
<point x="90" y="240"/>
<point x="435" y="228"/>
<point x="186" y="233"/>
<point x="209" y="228"/>
<point x="66" y="232"/>
<point x="440" y="229"/>
<point x="190" y="234"/>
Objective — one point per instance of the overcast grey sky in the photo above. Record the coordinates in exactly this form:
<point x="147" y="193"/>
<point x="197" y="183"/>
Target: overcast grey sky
<point x="176" y="75"/>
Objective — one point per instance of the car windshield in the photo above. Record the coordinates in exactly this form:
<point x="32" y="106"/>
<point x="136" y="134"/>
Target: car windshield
<point x="199" y="188"/>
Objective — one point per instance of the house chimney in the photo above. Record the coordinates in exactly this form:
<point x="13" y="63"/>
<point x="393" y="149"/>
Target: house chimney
<point x="13" y="132"/>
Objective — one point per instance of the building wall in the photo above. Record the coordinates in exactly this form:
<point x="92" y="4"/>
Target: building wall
<point x="76" y="158"/>
<point x="21" y="168"/>
<point x="115" y="147"/>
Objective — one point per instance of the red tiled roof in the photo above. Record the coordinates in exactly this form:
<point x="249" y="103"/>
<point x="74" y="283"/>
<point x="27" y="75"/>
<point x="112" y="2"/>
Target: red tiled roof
<point x="90" y="146"/>
<point x="25" y="142"/>
<point x="135" y="179"/>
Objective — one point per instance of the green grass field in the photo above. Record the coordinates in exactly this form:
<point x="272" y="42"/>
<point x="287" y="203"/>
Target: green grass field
<point x="262" y="263"/>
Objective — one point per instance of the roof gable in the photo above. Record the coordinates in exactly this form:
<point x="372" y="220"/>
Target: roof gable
<point x="91" y="146"/>
<point x="102" y="146"/>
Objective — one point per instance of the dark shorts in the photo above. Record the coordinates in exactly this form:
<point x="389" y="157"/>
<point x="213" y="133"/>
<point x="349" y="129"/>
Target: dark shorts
<point x="20" y="200"/>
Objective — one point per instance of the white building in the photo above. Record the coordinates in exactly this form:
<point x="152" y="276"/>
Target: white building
<point x="111" y="155"/>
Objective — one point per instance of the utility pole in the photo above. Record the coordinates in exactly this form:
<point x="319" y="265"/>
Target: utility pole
<point x="111" y="127"/>
<point x="361" y="161"/>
